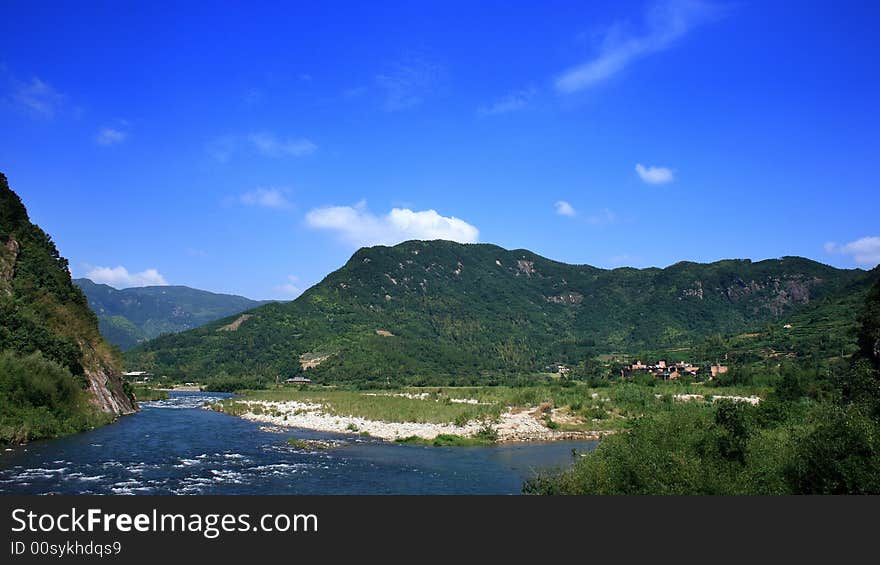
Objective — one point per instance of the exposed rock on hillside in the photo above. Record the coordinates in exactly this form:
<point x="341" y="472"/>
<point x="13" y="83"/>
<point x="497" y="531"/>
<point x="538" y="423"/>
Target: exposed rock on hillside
<point x="42" y="310"/>
<point x="470" y="313"/>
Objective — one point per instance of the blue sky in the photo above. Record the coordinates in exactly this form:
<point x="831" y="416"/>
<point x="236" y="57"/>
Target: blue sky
<point x="251" y="149"/>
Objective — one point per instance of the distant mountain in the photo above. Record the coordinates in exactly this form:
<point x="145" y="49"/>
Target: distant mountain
<point x="441" y="312"/>
<point x="133" y="315"/>
<point x="55" y="368"/>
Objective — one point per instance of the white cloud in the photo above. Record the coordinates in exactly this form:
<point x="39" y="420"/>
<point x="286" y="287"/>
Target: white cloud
<point x="563" y="208"/>
<point x="359" y="227"/>
<point x="110" y="136"/>
<point x="665" y="22"/>
<point x="264" y="143"/>
<point x="655" y="175"/>
<point x="406" y="83"/>
<point x="510" y="103"/>
<point x="269" y="145"/>
<point x="265" y="197"/>
<point x="864" y="251"/>
<point x="119" y="277"/>
<point x="291" y="288"/>
<point x="37" y="97"/>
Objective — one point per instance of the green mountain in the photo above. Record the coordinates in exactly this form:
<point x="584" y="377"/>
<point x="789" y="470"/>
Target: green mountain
<point x="57" y="374"/>
<point x="441" y="312"/>
<point x="133" y="315"/>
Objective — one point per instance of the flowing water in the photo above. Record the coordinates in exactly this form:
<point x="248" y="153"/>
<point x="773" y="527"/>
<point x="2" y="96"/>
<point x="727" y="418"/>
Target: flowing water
<point x="176" y="447"/>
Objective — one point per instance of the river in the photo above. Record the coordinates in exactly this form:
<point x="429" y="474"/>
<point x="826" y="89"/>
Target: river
<point x="176" y="447"/>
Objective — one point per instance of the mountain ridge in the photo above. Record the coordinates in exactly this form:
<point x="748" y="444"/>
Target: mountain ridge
<point x="132" y="315"/>
<point x="438" y="311"/>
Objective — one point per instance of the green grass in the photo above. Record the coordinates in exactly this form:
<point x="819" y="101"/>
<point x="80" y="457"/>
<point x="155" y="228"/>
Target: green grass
<point x="380" y="407"/>
<point x="446" y="440"/>
<point x="580" y="407"/>
<point x="146" y="394"/>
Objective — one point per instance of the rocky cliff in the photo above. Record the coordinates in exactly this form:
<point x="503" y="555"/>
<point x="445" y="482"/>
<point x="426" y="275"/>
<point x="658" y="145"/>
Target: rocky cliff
<point x="42" y="310"/>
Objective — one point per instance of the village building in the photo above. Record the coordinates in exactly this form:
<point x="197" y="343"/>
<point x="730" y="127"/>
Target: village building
<point x="138" y="376"/>
<point x="661" y="370"/>
<point x="298" y="380"/>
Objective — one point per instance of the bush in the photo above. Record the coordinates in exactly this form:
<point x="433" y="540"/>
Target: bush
<point x="548" y="421"/>
<point x="227" y="383"/>
<point x="840" y="456"/>
<point x="41" y="399"/>
<point x="487" y="432"/>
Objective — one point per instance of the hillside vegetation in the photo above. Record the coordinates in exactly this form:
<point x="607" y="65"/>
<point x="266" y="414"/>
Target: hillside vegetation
<point x="133" y="315"/>
<point x="445" y="313"/>
<point x="57" y="374"/>
<point x="813" y="434"/>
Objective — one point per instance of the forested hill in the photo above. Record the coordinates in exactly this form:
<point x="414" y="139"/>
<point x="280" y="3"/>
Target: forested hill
<point x="132" y="315"/>
<point x="441" y="312"/>
<point x="52" y="357"/>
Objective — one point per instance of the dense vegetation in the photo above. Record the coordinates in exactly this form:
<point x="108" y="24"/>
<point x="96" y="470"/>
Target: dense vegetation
<point x="133" y="315"/>
<point x="52" y="350"/>
<point x="814" y="434"/>
<point x="37" y="300"/>
<point x="442" y="313"/>
<point x="39" y="398"/>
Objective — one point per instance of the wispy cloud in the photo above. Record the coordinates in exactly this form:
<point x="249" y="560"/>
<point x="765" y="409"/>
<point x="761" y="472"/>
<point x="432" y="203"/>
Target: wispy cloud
<point x="406" y="83"/>
<point x="266" y="198"/>
<point x="359" y="227"/>
<point x="291" y="288"/>
<point x="264" y="143"/>
<point x="110" y="136"/>
<point x="864" y="251"/>
<point x="655" y="175"/>
<point x="271" y="146"/>
<point x="563" y="208"/>
<point x="511" y="103"/>
<point x="664" y="23"/>
<point x="119" y="277"/>
<point x="355" y="91"/>
<point x="37" y="97"/>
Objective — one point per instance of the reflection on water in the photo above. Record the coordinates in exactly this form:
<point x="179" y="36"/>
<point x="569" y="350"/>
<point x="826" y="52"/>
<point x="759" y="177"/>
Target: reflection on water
<point x="175" y="447"/>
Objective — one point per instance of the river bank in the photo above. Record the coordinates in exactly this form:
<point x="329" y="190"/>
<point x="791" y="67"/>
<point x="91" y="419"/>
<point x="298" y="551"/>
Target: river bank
<point x="495" y="414"/>
<point x="513" y="425"/>
<point x="175" y="447"/>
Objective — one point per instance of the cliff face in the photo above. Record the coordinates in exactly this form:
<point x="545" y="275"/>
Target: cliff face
<point x="42" y="310"/>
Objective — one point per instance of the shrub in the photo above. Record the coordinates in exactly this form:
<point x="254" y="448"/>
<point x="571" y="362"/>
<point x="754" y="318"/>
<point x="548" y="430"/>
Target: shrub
<point x="487" y="432"/>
